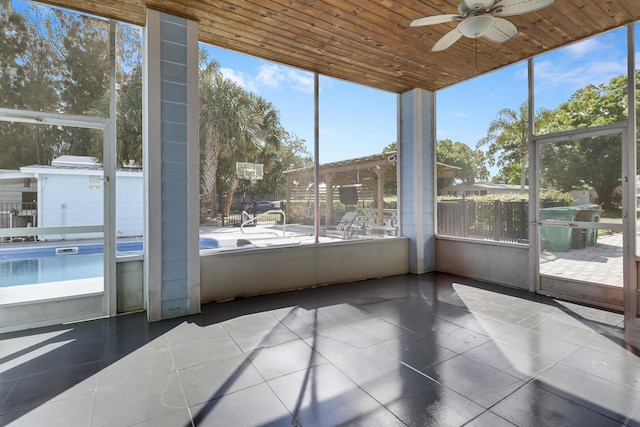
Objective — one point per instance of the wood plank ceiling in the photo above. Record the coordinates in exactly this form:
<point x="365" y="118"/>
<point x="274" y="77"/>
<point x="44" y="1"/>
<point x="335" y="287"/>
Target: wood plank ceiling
<point x="370" y="41"/>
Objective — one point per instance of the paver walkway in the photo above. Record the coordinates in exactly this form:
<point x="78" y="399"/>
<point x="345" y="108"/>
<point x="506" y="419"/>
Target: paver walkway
<point x="601" y="263"/>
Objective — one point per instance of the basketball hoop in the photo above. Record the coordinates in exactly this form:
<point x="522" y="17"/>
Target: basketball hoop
<point x="252" y="172"/>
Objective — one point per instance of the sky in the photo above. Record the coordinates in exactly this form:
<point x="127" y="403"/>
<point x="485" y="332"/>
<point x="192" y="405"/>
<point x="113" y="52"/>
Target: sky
<point x="354" y="120"/>
<point x="358" y="121"/>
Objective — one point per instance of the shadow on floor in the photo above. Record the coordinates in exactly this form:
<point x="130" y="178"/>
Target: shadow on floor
<point x="433" y="349"/>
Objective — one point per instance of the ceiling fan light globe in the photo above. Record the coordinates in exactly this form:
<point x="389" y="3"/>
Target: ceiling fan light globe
<point x="476" y="26"/>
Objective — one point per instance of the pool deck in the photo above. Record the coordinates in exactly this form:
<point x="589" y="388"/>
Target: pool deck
<point x="25" y="294"/>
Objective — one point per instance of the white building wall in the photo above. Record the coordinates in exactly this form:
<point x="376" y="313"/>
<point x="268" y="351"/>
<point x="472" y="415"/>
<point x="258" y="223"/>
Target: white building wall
<point x="77" y="199"/>
<point x="129" y="205"/>
<point x="69" y="200"/>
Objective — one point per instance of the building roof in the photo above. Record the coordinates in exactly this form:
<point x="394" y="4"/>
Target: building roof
<point x="74" y="165"/>
<point x="371" y="42"/>
<point x="487" y="186"/>
<point x="13" y="177"/>
<point x="361" y="169"/>
<point x="76" y="161"/>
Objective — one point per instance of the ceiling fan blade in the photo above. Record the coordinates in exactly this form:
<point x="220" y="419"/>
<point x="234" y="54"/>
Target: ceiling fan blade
<point x="517" y="7"/>
<point x="438" y="19"/>
<point x="447" y="40"/>
<point x="502" y="31"/>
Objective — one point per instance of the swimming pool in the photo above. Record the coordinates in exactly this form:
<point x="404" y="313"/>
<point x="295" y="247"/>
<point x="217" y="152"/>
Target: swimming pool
<point x="43" y="264"/>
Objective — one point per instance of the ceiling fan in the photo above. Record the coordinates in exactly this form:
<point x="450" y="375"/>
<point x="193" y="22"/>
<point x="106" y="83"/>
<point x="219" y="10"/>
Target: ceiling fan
<point x="482" y="18"/>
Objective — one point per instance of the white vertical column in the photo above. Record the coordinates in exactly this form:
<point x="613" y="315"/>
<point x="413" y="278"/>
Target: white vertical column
<point x="417" y="176"/>
<point x="172" y="268"/>
<point x="631" y="285"/>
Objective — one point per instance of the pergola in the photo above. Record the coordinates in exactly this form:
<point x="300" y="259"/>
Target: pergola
<point x="370" y="171"/>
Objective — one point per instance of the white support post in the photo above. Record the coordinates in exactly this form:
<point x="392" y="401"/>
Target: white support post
<point x="417" y="174"/>
<point x="171" y="241"/>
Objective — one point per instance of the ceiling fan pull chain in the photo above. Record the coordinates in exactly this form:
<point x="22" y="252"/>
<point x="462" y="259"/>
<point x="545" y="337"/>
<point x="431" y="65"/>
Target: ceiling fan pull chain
<point x="476" y="41"/>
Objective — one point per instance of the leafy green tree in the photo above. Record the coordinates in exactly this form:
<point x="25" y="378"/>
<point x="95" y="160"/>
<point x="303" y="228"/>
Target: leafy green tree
<point x="83" y="49"/>
<point x="128" y="99"/>
<point x="509" y="174"/>
<point x="28" y="66"/>
<point x="458" y="154"/>
<point x="290" y="153"/>
<point x="53" y="61"/>
<point x="129" y="118"/>
<point x="14" y="41"/>
<point x="591" y="162"/>
<point x="391" y="147"/>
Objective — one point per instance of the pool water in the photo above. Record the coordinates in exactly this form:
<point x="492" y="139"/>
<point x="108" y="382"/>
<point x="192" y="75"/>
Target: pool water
<point x="50" y="269"/>
<point x="26" y="266"/>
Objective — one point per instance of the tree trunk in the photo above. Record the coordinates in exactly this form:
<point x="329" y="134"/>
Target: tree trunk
<point x="233" y="185"/>
<point x="605" y="198"/>
<point x="524" y="158"/>
<point x="523" y="172"/>
<point x="210" y="171"/>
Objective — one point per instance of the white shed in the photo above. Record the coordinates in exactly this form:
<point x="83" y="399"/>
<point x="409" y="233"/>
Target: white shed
<point x="70" y="193"/>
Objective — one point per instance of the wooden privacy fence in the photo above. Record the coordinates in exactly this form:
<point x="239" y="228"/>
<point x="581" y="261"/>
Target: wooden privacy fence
<point x="501" y="221"/>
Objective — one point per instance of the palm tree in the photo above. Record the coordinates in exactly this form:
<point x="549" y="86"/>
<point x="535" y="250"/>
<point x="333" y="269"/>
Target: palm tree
<point x="262" y="136"/>
<point x="235" y="125"/>
<point x="221" y="123"/>
<point x="269" y="133"/>
<point x="508" y="139"/>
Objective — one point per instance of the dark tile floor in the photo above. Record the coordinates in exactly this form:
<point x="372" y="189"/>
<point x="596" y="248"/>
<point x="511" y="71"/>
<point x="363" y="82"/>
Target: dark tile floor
<point x="408" y="350"/>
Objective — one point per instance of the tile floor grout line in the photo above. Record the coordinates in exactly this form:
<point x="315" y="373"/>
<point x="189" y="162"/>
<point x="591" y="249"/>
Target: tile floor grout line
<point x="532" y="379"/>
<point x="184" y="392"/>
<point x="423" y="374"/>
<point x="101" y="367"/>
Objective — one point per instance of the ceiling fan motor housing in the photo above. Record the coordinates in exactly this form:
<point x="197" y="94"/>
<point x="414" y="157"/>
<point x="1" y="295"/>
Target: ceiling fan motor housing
<point x="467" y="6"/>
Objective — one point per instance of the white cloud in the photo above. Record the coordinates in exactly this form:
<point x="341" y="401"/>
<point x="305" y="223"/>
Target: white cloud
<point x="458" y="114"/>
<point x="605" y="68"/>
<point x="586" y="47"/>
<point x="329" y="132"/>
<point x="593" y="61"/>
<point x="522" y="71"/>
<point x="549" y="76"/>
<point x="302" y="82"/>
<point x="271" y="76"/>
<point x="238" y="77"/>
